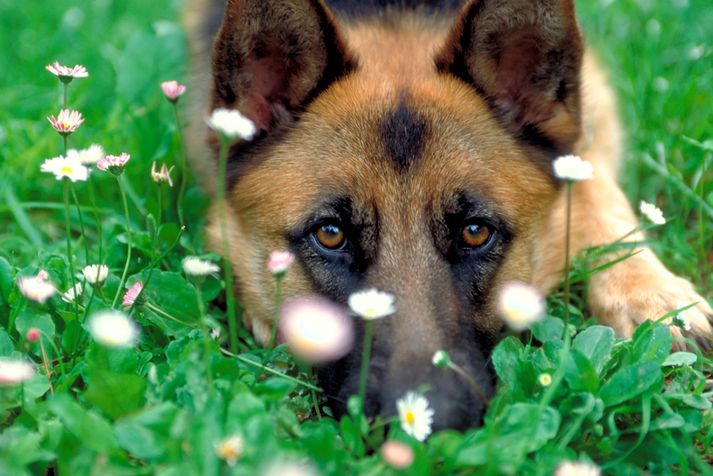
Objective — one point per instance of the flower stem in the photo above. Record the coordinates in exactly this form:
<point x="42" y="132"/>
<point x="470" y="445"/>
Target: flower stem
<point x="128" y="240"/>
<point x="65" y="87"/>
<point x="68" y="232"/>
<point x="365" y="356"/>
<point x="81" y="223"/>
<point x="45" y="364"/>
<point x="471" y="383"/>
<point x="95" y="212"/>
<point x="568" y="218"/>
<point x="227" y="268"/>
<point x="184" y="175"/>
<point x="267" y="369"/>
<point x="276" y="318"/>
<point x="162" y="313"/>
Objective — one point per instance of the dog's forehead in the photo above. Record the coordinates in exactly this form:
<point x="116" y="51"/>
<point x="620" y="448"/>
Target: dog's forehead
<point x="408" y="150"/>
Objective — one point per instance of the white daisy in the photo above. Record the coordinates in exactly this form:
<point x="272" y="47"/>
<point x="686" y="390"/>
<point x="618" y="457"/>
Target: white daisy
<point x="230" y="449"/>
<point x="36" y="288"/>
<point x="89" y="156"/>
<point x="14" y="372"/>
<point x="372" y="304"/>
<point x="113" y="329"/>
<point x="572" y="168"/>
<point x="279" y="262"/>
<point x="95" y="273"/>
<point x="415" y="415"/>
<point x="520" y="305"/>
<point x="231" y="124"/>
<point x="652" y="213"/>
<point x="64" y="167"/>
<point x="195" y="266"/>
<point x="72" y="293"/>
<point x="577" y="468"/>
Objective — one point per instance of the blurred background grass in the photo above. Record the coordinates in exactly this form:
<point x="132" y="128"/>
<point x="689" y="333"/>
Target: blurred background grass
<point x="659" y="54"/>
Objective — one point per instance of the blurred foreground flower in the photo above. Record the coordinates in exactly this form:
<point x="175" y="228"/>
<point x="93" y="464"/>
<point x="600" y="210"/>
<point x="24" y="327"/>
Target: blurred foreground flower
<point x="65" y="73"/>
<point x="36" y="288"/>
<point x="66" y="122"/>
<point x="15" y="372"/>
<point x="89" y="156"/>
<point x="65" y="167"/>
<point x="572" y="168"/>
<point x="520" y="305"/>
<point x="132" y="295"/>
<point x="33" y="334"/>
<point x="113" y="329"/>
<point x="415" y="415"/>
<point x="315" y="329"/>
<point x="396" y="454"/>
<point x="194" y="266"/>
<point x="114" y="163"/>
<point x="230" y="449"/>
<point x="372" y="304"/>
<point x="279" y="262"/>
<point x="231" y="124"/>
<point x="290" y="468"/>
<point x="162" y="175"/>
<point x="652" y="213"/>
<point x="576" y="468"/>
<point x="544" y="379"/>
<point x="173" y="90"/>
<point x="95" y="274"/>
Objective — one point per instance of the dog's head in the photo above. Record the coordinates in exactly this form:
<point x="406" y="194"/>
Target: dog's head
<point x="400" y="154"/>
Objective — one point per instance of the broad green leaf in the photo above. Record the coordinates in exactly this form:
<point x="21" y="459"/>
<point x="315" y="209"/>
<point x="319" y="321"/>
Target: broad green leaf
<point x="86" y="425"/>
<point x="629" y="382"/>
<point x="6" y="345"/>
<point x="115" y="394"/>
<point x="679" y="359"/>
<point x="29" y="318"/>
<point x="580" y="373"/>
<point x="6" y="281"/>
<point x="595" y="343"/>
<point x="549" y="328"/>
<point x="520" y="428"/>
<point x="147" y="435"/>
<point x="506" y="360"/>
<point x="651" y="343"/>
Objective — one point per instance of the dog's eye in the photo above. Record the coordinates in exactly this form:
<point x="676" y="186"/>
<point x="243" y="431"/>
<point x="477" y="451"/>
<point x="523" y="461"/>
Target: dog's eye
<point x="330" y="236"/>
<point x="475" y="235"/>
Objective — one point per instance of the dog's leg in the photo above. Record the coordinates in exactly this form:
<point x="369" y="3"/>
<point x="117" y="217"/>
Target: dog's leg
<point x="640" y="287"/>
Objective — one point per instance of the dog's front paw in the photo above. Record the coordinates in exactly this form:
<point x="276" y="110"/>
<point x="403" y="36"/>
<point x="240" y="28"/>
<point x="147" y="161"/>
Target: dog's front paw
<point x="641" y="288"/>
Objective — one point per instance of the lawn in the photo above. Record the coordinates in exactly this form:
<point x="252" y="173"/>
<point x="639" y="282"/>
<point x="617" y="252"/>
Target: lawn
<point x="170" y="404"/>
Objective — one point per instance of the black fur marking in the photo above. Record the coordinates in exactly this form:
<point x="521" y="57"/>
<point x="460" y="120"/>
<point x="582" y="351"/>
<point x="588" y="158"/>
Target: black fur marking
<point x="404" y="133"/>
<point x="370" y="7"/>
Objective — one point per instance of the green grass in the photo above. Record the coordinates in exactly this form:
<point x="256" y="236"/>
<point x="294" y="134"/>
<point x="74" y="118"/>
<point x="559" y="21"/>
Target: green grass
<point x="161" y="409"/>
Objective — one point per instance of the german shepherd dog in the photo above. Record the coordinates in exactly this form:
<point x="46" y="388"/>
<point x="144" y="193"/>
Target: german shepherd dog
<point x="408" y="146"/>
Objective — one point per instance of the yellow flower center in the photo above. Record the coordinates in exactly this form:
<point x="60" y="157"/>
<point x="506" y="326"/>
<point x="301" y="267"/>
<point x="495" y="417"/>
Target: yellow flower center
<point x="66" y="170"/>
<point x="409" y="417"/>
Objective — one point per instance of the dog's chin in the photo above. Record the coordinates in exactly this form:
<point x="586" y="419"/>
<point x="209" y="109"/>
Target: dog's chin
<point x="455" y="404"/>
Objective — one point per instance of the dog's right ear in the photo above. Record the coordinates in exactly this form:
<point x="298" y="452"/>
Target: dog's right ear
<point x="271" y="57"/>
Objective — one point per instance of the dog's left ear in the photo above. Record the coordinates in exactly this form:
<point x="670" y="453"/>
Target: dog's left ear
<point x="524" y="57"/>
<point x="272" y="56"/>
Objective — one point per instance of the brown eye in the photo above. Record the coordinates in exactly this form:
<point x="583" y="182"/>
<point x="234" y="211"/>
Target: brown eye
<point x="475" y="235"/>
<point x="331" y="237"/>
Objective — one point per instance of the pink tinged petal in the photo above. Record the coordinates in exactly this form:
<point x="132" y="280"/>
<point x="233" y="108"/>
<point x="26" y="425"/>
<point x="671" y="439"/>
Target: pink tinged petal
<point x="65" y="72"/>
<point x="315" y="329"/>
<point x="173" y="90"/>
<point x="132" y="294"/>
<point x="279" y="262"/>
<point x="67" y="121"/>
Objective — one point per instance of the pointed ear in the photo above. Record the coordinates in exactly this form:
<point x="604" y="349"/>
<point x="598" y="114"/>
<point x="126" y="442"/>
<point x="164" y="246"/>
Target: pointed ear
<point x="524" y="58"/>
<point x="272" y="56"/>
